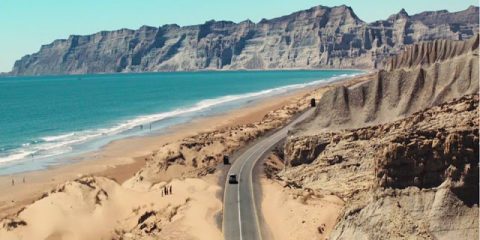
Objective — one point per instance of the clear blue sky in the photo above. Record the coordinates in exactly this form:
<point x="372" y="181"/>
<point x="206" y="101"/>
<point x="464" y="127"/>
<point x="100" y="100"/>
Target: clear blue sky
<point x="27" y="24"/>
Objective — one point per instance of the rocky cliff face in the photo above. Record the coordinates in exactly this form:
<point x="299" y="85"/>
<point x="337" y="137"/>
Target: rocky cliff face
<point x="320" y="37"/>
<point x="401" y="149"/>
<point x="415" y="178"/>
<point x="469" y="16"/>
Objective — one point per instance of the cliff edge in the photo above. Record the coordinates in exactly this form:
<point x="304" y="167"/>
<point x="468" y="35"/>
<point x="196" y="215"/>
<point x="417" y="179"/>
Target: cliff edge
<point x="401" y="149"/>
<point x="319" y="37"/>
<point x="416" y="79"/>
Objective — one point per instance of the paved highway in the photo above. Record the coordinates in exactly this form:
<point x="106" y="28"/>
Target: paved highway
<point x="240" y="216"/>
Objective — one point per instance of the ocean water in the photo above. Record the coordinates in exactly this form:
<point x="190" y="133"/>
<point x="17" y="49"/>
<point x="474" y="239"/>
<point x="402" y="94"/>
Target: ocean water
<point x="46" y="120"/>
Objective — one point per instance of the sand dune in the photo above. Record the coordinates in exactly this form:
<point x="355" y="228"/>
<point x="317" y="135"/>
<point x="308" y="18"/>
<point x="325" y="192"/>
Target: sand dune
<point x="99" y="208"/>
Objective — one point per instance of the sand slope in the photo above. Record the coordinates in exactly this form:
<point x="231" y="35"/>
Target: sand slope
<point x="99" y="208"/>
<point x="426" y="53"/>
<point x="395" y="94"/>
<point x="298" y="214"/>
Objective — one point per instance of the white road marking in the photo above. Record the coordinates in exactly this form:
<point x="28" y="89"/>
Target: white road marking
<point x="253" y="196"/>
<point x="238" y="195"/>
<point x="259" y="148"/>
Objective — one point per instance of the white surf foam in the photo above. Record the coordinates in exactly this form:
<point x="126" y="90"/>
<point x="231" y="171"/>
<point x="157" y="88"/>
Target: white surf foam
<point x="58" y="137"/>
<point x="20" y="154"/>
<point x="58" y="144"/>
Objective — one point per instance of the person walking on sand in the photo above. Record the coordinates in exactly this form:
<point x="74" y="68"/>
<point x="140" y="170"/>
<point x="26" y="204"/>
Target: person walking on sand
<point x="23" y="179"/>
<point x="170" y="189"/>
<point x="13" y="182"/>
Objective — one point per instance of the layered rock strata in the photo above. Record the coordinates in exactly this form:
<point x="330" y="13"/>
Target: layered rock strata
<point x="319" y="37"/>
<point x="413" y="178"/>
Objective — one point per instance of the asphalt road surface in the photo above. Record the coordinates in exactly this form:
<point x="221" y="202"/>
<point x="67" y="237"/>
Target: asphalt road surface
<point x="240" y="216"/>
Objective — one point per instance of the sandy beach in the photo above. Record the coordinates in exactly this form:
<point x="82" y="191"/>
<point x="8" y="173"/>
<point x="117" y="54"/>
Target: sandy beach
<point x="240" y="120"/>
<point x="144" y="165"/>
<point x="121" y="159"/>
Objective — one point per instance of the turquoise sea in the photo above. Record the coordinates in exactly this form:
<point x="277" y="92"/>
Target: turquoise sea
<point x="47" y="120"/>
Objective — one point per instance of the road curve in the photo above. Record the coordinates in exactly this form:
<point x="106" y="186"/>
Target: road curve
<point x="240" y="217"/>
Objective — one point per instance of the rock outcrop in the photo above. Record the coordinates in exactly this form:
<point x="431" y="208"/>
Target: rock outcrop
<point x="441" y="71"/>
<point x="430" y="18"/>
<point x="402" y="149"/>
<point x="320" y="37"/>
<point x="415" y="178"/>
<point x="427" y="53"/>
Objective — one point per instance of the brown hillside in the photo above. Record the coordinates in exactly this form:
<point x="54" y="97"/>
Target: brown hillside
<point x="398" y="93"/>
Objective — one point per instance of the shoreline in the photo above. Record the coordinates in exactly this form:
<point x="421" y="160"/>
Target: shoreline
<point x="121" y="159"/>
<point x="56" y="149"/>
<point x="195" y="71"/>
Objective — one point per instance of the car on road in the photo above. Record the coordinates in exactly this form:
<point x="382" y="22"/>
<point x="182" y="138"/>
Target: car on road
<point x="232" y="179"/>
<point x="226" y="160"/>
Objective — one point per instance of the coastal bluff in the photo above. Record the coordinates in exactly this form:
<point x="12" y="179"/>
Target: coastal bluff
<point x="421" y="76"/>
<point x="319" y="37"/>
<point x="400" y="149"/>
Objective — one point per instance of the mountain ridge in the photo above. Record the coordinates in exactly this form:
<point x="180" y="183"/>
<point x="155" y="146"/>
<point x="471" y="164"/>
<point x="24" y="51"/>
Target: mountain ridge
<point x="319" y="37"/>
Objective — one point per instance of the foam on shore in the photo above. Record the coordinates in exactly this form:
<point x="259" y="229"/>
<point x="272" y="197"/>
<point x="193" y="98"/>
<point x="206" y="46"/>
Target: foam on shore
<point x="50" y="146"/>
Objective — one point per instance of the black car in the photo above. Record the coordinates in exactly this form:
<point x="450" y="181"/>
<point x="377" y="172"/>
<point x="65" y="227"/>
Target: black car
<point x="226" y="160"/>
<point x="232" y="179"/>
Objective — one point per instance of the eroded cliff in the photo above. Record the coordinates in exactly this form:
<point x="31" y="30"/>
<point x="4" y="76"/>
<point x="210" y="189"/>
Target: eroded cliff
<point x="320" y="37"/>
<point x="452" y="73"/>
<point x="401" y="149"/>
<point x="415" y="178"/>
